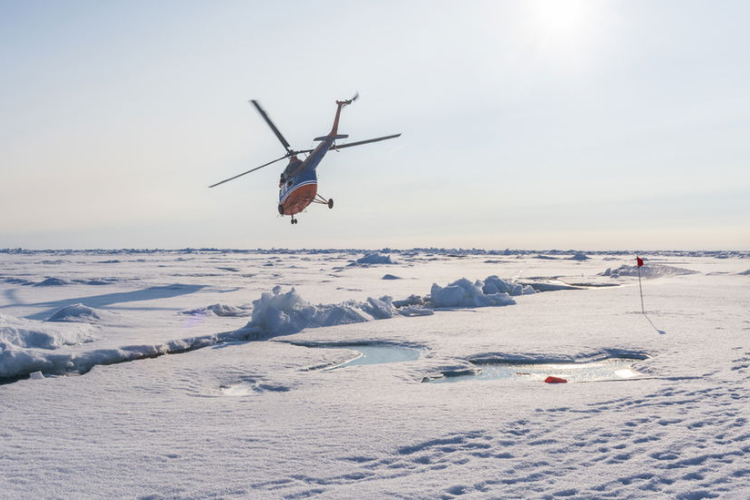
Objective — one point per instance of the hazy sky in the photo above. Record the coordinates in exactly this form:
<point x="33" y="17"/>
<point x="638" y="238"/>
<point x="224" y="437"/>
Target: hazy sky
<point x="526" y="124"/>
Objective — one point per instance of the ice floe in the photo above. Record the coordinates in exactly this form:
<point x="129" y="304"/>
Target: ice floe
<point x="274" y="313"/>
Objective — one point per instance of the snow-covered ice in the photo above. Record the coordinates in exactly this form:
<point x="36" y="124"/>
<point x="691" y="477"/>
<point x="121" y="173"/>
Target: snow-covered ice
<point x="374" y="258"/>
<point x="93" y="405"/>
<point x="647" y="271"/>
<point x="26" y="333"/>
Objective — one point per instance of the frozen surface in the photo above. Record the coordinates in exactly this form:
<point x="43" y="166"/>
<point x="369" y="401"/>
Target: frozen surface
<point x="274" y="313"/>
<point x="372" y="354"/>
<point x="648" y="271"/>
<point x="249" y="410"/>
<point x="609" y="369"/>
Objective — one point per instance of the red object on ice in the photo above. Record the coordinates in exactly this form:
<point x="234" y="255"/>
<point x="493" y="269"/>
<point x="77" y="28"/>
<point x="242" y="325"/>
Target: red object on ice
<point x="555" y="380"/>
<point x="639" y="261"/>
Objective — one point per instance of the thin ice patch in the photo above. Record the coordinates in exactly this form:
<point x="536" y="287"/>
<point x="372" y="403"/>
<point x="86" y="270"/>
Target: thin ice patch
<point x="648" y="271"/>
<point x="607" y="368"/>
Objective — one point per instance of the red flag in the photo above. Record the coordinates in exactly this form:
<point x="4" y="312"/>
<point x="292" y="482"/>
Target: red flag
<point x="639" y="261"/>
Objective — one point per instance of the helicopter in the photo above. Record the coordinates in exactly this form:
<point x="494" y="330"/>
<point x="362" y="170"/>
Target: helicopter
<point x="298" y="184"/>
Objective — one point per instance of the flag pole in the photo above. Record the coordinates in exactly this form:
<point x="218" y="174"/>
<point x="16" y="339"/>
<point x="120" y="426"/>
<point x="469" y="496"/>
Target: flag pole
<point x="639" y="263"/>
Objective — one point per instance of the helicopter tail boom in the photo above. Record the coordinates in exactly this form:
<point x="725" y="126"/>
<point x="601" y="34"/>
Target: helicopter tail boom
<point x="340" y="104"/>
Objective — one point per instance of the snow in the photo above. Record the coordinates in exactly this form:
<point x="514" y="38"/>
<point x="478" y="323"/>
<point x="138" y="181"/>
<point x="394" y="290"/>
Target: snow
<point x="274" y="313"/>
<point x="285" y="313"/>
<point x="78" y="313"/>
<point x="279" y="313"/>
<point x="247" y="409"/>
<point x="464" y="293"/>
<point x="648" y="271"/>
<point x="24" y="333"/>
<point x="580" y="256"/>
<point x="52" y="282"/>
<point x="219" y="310"/>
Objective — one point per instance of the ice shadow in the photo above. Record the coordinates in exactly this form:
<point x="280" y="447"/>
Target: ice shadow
<point x="109" y="299"/>
<point x="11" y="296"/>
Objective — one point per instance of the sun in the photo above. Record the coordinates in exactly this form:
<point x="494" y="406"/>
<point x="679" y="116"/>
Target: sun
<point x="564" y="32"/>
<point x="560" y="20"/>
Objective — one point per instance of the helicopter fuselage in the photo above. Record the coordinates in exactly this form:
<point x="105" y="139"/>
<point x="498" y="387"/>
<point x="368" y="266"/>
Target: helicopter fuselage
<point x="298" y="186"/>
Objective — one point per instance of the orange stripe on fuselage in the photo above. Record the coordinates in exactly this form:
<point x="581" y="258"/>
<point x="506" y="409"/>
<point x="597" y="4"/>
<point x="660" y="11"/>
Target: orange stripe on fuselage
<point x="299" y="199"/>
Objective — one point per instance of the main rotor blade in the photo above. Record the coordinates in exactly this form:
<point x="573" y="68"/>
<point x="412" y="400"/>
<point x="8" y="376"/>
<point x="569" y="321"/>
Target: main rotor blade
<point x="273" y="127"/>
<point x="359" y="143"/>
<point x="350" y="144"/>
<point x="251" y="170"/>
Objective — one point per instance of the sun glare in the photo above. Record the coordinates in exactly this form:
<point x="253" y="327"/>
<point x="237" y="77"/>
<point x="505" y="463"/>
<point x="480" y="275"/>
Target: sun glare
<point x="560" y="20"/>
<point x="566" y="31"/>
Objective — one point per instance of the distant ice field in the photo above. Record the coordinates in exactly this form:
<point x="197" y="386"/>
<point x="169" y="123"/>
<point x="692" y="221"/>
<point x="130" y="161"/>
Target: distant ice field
<point x="260" y="374"/>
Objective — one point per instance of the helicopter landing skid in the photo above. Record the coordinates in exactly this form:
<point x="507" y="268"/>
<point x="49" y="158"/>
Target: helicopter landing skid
<point x="322" y="201"/>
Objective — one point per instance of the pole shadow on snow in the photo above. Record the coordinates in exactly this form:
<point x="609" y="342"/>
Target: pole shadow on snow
<point x="108" y="299"/>
<point x="660" y="332"/>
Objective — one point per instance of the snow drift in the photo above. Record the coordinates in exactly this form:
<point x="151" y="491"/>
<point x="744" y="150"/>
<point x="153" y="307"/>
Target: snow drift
<point x="52" y="282"/>
<point x="374" y="258"/>
<point x="285" y="313"/>
<point x="222" y="310"/>
<point x="464" y="293"/>
<point x="25" y="333"/>
<point x="78" y="313"/>
<point x="491" y="292"/>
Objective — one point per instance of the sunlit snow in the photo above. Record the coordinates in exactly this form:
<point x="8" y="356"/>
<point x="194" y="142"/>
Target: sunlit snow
<point x="292" y="374"/>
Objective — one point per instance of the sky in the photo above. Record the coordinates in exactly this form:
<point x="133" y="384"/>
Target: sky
<point x="529" y="124"/>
